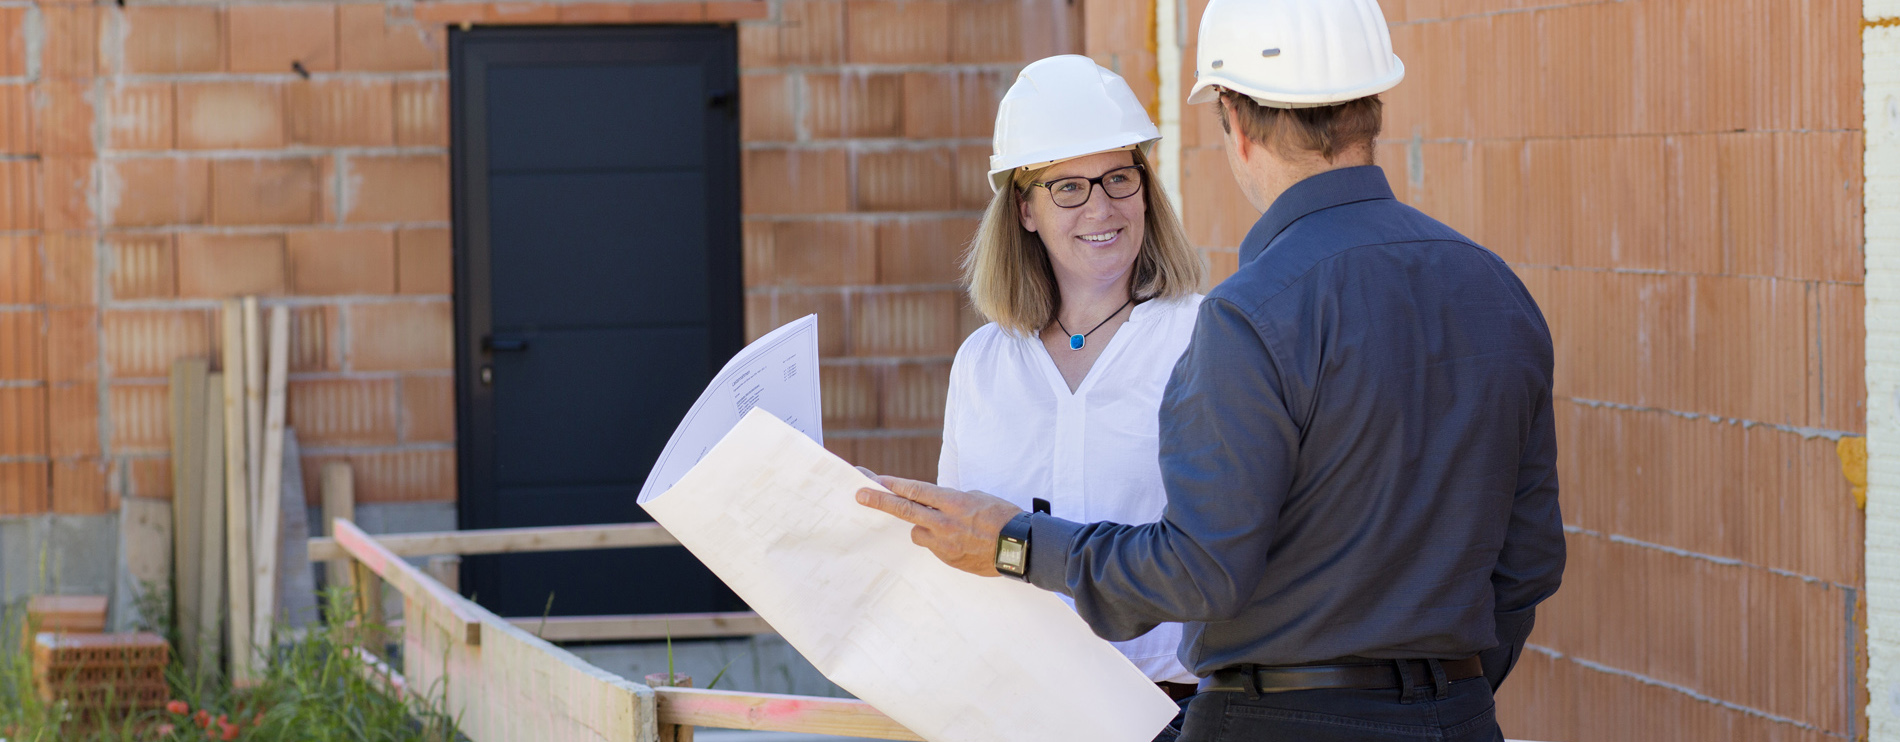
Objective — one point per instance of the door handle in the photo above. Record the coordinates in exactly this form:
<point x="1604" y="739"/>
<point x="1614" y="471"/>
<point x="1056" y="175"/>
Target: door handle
<point x="505" y="343"/>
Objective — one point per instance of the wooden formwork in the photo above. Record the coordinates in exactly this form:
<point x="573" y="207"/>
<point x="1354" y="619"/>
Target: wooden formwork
<point x="503" y="683"/>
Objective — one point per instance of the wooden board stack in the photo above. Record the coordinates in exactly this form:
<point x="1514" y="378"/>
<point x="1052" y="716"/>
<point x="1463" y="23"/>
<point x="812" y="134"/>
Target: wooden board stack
<point x="228" y="449"/>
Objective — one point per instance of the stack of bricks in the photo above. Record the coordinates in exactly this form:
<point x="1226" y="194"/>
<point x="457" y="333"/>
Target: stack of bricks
<point x="1678" y="182"/>
<point x="107" y="674"/>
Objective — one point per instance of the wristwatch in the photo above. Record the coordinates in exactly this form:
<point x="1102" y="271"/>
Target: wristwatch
<point x="1012" y="548"/>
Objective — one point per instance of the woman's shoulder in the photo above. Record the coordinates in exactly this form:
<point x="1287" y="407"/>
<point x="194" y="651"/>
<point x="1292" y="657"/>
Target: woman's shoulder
<point x="983" y="345"/>
<point x="1178" y="311"/>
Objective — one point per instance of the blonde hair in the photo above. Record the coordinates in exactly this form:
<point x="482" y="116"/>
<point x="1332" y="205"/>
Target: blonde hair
<point x="1010" y="279"/>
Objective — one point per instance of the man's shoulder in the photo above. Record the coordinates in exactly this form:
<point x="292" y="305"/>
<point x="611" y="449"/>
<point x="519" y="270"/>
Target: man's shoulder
<point x="1322" y="239"/>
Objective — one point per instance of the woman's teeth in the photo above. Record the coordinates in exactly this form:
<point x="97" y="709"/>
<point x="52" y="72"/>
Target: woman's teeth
<point x="1103" y="237"/>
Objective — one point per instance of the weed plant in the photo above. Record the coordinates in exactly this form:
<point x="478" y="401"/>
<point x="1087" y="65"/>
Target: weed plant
<point x="317" y="686"/>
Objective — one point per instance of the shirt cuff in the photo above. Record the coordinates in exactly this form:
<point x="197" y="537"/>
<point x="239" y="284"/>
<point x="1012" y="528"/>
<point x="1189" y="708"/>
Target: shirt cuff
<point x="1050" y="539"/>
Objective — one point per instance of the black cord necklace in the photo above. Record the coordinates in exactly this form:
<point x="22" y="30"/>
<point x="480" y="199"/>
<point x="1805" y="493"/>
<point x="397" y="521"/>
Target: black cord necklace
<point x="1076" y="341"/>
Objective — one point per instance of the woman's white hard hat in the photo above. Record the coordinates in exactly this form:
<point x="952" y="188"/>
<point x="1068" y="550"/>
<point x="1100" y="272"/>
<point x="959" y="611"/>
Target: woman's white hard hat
<point x="1294" y="53"/>
<point x="1061" y="108"/>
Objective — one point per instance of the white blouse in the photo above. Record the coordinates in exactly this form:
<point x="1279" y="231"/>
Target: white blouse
<point x="1012" y="428"/>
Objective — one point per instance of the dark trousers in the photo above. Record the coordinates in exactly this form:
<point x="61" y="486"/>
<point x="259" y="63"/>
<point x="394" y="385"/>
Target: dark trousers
<point x="1465" y="714"/>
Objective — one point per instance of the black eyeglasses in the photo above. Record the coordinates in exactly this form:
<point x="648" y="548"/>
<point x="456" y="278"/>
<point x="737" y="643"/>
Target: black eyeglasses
<point x="1119" y="183"/>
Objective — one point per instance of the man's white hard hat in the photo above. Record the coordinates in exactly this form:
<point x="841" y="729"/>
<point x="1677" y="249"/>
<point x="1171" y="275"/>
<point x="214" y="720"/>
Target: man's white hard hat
<point x="1294" y="53"/>
<point x="1061" y="108"/>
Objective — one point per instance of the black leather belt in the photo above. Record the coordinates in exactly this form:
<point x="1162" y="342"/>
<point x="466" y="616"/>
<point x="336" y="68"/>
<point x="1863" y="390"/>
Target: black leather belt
<point x="1362" y="675"/>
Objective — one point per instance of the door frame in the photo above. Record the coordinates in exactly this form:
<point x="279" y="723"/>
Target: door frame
<point x="470" y="239"/>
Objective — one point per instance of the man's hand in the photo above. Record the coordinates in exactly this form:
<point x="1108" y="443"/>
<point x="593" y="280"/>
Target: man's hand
<point x="959" y="527"/>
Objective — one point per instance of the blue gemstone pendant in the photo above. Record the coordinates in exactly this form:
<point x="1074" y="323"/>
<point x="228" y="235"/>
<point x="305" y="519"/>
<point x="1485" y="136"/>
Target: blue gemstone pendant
<point x="1075" y="342"/>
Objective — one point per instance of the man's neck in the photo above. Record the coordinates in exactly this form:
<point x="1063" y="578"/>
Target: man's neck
<point x="1273" y="174"/>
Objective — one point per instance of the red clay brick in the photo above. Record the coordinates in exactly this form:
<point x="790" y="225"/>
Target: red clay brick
<point x="401" y="336"/>
<point x="855" y="105"/>
<point x="19" y="270"/>
<point x="72" y="344"/>
<point x="141" y="116"/>
<point x="423" y="262"/>
<point x="1839" y="401"/>
<point x="148" y="477"/>
<point x="143" y="343"/>
<point x="79" y="488"/>
<point x="973" y="184"/>
<point x="330" y="262"/>
<point x="72" y="423"/>
<point x="274" y="191"/>
<point x="69" y="261"/>
<point x="66" y="192"/>
<point x="912" y="395"/>
<point x="907" y="180"/>
<point x="898" y="32"/>
<point x="70" y="44"/>
<point x="904" y="323"/>
<point x="810" y="32"/>
<point x="343" y="412"/>
<point x="451" y="13"/>
<point x="428" y="408"/>
<point x="1017" y="30"/>
<point x="342" y="113"/>
<point x="17" y="116"/>
<point x="141" y="267"/>
<point x="372" y="41"/>
<point x="269" y="38"/>
<point x="527" y="12"/>
<point x="22" y="421"/>
<point x="956" y="104"/>
<point x="828" y="305"/>
<point x="823" y="253"/>
<point x="765" y="109"/>
<point x="796" y="181"/>
<point x="592" y="13"/>
<point x="416" y="475"/>
<point x="230" y="115"/>
<point x="13" y="41"/>
<point x="168" y="39"/>
<point x="398" y="188"/>
<point x="230" y="265"/>
<point x="922" y="250"/>
<point x="422" y="113"/>
<point x="22" y="345"/>
<point x="140" y="420"/>
<point x="315" y="339"/>
<point x="911" y="457"/>
<point x="649" y="12"/>
<point x="156" y="191"/>
<point x="23" y="487"/>
<point x="65" y="117"/>
<point x="850" y="396"/>
<point x="723" y="11"/>
<point x="19" y="195"/>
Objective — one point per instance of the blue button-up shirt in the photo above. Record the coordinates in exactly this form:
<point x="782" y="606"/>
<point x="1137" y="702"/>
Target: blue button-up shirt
<point x="1357" y="447"/>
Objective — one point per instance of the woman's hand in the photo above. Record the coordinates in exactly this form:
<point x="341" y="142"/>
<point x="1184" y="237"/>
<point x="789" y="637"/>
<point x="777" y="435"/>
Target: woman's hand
<point x="959" y="527"/>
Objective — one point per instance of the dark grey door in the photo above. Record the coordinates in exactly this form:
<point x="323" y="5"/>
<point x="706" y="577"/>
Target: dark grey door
<point x="598" y="283"/>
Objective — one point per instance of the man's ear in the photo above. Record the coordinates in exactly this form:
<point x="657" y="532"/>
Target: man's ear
<point x="1022" y="211"/>
<point x="1237" y="140"/>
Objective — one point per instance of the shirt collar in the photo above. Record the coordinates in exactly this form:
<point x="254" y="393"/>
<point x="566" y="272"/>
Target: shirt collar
<point x="1317" y="193"/>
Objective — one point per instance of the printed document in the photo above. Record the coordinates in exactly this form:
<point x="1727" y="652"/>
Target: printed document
<point x="778" y="372"/>
<point x="949" y="655"/>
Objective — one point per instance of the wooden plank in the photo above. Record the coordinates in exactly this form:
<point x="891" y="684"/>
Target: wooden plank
<point x="268" y="523"/>
<point x="296" y="583"/>
<point x="769" y="712"/>
<point x="253" y="400"/>
<point x="647" y="626"/>
<point x="447" y="609"/>
<point x="512" y="540"/>
<point x="237" y="500"/>
<point x="188" y="486"/>
<point x="339" y="501"/>
<point x="211" y="528"/>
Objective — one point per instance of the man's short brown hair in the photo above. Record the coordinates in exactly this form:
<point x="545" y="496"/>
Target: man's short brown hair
<point x="1325" y="130"/>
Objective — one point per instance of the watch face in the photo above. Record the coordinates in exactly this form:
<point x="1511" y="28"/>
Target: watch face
<point x="1009" y="556"/>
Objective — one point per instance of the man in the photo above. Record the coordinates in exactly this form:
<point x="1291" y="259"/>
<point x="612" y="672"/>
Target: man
<point x="1357" y="446"/>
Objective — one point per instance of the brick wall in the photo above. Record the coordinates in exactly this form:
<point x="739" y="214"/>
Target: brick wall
<point x="1678" y="182"/>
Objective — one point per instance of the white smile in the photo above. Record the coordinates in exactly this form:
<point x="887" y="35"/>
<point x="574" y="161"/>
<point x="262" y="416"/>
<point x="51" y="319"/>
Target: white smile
<point x="1108" y="236"/>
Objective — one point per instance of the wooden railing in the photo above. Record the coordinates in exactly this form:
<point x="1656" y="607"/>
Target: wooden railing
<point x="502" y="682"/>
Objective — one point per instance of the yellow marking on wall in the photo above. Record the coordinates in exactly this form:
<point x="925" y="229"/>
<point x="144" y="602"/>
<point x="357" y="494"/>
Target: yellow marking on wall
<point x="1853" y="453"/>
<point x="1888" y="22"/>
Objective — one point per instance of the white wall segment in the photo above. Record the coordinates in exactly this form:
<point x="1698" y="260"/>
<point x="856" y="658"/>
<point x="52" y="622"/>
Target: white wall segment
<point x="1881" y="98"/>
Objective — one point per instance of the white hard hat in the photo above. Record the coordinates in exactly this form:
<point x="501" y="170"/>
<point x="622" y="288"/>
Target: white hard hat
<point x="1061" y="108"/>
<point x="1294" y="53"/>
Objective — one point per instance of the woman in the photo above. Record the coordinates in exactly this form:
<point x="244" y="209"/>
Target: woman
<point x="1087" y="279"/>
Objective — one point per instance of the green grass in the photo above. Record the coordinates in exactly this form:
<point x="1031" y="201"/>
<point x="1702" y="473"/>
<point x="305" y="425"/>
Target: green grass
<point x="313" y="689"/>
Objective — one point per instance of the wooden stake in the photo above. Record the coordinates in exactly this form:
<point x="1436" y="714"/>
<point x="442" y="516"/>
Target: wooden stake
<point x="211" y="529"/>
<point x="237" y="500"/>
<point x="188" y="413"/>
<point x="266" y="527"/>
<point x="339" y="501"/>
<point x="253" y="399"/>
